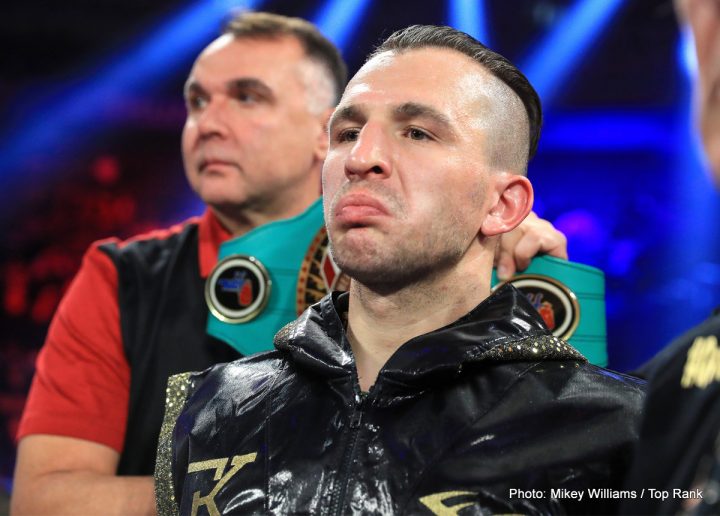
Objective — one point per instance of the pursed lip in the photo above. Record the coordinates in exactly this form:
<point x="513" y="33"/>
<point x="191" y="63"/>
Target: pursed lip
<point x="355" y="207"/>
<point x="206" y="163"/>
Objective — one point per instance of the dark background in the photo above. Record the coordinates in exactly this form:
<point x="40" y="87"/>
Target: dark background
<point x="92" y="112"/>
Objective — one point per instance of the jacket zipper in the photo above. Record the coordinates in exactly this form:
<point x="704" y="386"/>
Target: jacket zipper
<point x="355" y="423"/>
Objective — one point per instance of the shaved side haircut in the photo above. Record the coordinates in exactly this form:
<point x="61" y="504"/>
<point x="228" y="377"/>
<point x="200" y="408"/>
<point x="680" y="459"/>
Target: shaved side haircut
<point x="514" y="125"/>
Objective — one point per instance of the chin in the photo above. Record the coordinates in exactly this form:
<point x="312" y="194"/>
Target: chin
<point x="352" y="260"/>
<point x="223" y="201"/>
<point x="221" y="195"/>
<point x="365" y="274"/>
<point x="371" y="269"/>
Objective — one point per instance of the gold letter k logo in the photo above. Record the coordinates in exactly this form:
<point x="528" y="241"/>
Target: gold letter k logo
<point x="238" y="461"/>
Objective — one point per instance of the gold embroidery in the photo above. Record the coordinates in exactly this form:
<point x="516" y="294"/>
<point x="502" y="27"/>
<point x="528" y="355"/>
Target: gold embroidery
<point x="542" y="347"/>
<point x="702" y="365"/>
<point x="176" y="393"/>
<point x="217" y="464"/>
<point x="237" y="463"/>
<point x="318" y="274"/>
<point x="434" y="502"/>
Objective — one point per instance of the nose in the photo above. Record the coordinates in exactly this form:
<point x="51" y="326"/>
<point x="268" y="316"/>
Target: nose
<point x="211" y="119"/>
<point x="370" y="155"/>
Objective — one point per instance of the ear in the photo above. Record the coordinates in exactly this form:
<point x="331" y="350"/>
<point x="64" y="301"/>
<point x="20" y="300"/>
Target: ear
<point x="322" y="138"/>
<point x="514" y="201"/>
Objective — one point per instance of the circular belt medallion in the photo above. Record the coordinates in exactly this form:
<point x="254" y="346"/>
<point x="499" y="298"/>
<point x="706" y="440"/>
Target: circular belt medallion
<point x="318" y="274"/>
<point x="237" y="289"/>
<point x="555" y="302"/>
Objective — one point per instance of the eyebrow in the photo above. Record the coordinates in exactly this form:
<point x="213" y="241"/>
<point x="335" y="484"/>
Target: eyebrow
<point x="250" y="83"/>
<point x="405" y="111"/>
<point x="233" y="86"/>
<point x="411" y="110"/>
<point x="192" y="86"/>
<point x="347" y="114"/>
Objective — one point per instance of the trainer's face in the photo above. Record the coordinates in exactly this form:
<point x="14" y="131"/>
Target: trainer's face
<point x="405" y="178"/>
<point x="704" y="19"/>
<point x="250" y="139"/>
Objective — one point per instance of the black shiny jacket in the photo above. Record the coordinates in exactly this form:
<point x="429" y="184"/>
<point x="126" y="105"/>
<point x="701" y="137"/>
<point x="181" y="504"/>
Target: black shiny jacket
<point x="679" y="449"/>
<point x="491" y="414"/>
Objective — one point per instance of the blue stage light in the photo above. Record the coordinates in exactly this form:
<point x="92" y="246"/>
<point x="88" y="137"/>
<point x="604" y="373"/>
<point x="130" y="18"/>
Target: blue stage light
<point x="555" y="57"/>
<point x="469" y="16"/>
<point x="609" y="131"/>
<point x="75" y="119"/>
<point x="339" y="19"/>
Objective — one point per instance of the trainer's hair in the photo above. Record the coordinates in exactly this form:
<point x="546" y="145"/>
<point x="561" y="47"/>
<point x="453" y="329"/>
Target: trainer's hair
<point x="423" y="36"/>
<point x="317" y="47"/>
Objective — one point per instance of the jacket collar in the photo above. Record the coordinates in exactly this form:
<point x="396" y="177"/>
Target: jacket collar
<point x="211" y="234"/>
<point x="504" y="327"/>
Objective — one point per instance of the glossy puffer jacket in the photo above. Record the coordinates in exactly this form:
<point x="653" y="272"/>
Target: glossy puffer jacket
<point x="490" y="414"/>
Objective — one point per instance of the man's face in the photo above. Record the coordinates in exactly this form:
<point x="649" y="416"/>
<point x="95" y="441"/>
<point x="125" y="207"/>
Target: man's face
<point x="250" y="139"/>
<point x="405" y="181"/>
<point x="704" y="19"/>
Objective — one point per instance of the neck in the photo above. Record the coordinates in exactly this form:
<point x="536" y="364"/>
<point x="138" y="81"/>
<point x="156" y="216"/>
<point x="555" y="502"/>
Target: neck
<point x="380" y="322"/>
<point x="238" y="220"/>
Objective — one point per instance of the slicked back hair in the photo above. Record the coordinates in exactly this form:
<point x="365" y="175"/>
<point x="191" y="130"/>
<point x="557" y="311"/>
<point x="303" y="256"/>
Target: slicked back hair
<point x="317" y="47"/>
<point x="433" y="36"/>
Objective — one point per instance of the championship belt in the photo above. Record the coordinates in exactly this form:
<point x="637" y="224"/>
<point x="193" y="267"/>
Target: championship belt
<point x="570" y="298"/>
<point x="270" y="275"/>
<point x="267" y="277"/>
